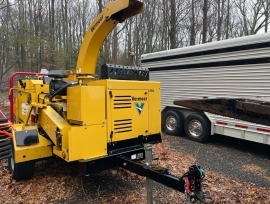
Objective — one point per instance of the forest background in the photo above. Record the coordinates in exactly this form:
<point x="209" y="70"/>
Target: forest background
<point x="36" y="34"/>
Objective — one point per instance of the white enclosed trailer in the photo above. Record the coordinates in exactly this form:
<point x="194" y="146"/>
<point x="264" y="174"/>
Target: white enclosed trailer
<point x="230" y="68"/>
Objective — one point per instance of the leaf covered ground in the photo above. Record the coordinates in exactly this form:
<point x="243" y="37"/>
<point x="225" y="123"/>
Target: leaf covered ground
<point x="56" y="182"/>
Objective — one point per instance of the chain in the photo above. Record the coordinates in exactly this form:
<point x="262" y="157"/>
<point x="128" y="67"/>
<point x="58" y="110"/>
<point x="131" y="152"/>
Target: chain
<point x="186" y="201"/>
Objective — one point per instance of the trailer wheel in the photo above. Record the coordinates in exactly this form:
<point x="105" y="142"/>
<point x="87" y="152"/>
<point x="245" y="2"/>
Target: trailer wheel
<point x="21" y="171"/>
<point x="172" y="123"/>
<point x="197" y="127"/>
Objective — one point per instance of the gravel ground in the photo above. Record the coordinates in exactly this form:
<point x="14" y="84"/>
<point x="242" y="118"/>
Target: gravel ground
<point x="244" y="160"/>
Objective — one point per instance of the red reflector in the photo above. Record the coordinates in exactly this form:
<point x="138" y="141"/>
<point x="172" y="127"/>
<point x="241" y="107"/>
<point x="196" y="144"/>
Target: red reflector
<point x="221" y="123"/>
<point x="263" y="129"/>
<point x="32" y="118"/>
<point x="241" y="126"/>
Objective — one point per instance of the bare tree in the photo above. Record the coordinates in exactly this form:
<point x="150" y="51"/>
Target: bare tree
<point x="204" y="32"/>
<point x="252" y="15"/>
<point x="22" y="64"/>
<point x="48" y="33"/>
<point x="266" y="6"/>
<point x="52" y="33"/>
<point x="192" y="26"/>
<point x="172" y="32"/>
<point x="227" y="19"/>
<point x="220" y="11"/>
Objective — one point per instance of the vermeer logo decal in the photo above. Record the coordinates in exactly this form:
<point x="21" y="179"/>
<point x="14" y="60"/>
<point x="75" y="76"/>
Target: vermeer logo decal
<point x="97" y="23"/>
<point x="139" y="107"/>
<point x="139" y="98"/>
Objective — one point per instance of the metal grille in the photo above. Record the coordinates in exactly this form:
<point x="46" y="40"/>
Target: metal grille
<point x="122" y="102"/>
<point x="110" y="71"/>
<point x="121" y="126"/>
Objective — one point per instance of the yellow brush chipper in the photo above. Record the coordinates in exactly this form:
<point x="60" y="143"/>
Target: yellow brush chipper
<point x="91" y="123"/>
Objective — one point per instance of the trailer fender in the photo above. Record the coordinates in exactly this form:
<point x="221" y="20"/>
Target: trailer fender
<point x="212" y="126"/>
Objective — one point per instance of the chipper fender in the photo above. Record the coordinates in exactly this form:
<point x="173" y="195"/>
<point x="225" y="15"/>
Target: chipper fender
<point x="28" y="146"/>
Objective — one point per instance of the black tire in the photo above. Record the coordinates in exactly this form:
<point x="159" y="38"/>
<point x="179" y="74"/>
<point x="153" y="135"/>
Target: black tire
<point x="197" y="127"/>
<point x="172" y="123"/>
<point x="21" y="171"/>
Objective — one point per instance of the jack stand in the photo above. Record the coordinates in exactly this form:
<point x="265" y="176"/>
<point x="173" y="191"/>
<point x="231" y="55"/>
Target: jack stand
<point x="148" y="164"/>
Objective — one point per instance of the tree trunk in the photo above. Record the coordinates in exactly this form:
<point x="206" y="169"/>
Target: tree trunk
<point x="172" y="32"/>
<point x="220" y="18"/>
<point x="228" y="19"/>
<point x="52" y="36"/>
<point x="267" y="15"/>
<point x="100" y="6"/>
<point x="192" y="27"/>
<point x="115" y="46"/>
<point x="21" y="35"/>
<point x="129" y="36"/>
<point x="65" y="31"/>
<point x="205" y="9"/>
<point x="41" y="35"/>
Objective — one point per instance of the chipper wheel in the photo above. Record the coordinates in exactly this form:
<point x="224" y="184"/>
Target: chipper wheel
<point x="21" y="171"/>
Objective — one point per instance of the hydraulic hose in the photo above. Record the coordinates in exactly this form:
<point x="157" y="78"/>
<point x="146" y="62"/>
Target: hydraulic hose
<point x="6" y="133"/>
<point x="5" y="124"/>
